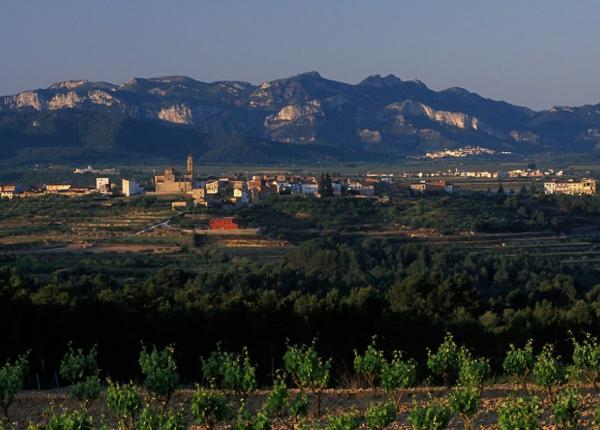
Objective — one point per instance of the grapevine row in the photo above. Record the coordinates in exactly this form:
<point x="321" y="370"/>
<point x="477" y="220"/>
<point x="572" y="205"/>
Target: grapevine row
<point x="230" y="378"/>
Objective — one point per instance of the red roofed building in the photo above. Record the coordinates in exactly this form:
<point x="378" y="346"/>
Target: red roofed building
<point x="223" y="224"/>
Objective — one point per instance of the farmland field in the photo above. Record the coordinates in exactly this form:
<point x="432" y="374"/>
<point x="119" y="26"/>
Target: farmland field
<point x="492" y="268"/>
<point x="539" y="390"/>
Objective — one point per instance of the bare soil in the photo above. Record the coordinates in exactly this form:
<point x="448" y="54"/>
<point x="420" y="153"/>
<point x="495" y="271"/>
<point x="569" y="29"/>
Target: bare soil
<point x="31" y="406"/>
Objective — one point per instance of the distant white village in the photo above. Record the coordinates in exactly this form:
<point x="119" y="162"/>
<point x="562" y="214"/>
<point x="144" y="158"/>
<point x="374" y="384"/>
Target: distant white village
<point x="463" y="152"/>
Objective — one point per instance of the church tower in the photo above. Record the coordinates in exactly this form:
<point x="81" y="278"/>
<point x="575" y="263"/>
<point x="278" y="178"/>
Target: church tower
<point x="190" y="165"/>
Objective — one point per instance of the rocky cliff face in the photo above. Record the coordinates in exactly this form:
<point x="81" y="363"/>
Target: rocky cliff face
<point x="178" y="114"/>
<point x="380" y="113"/>
<point x="453" y="119"/>
<point x="24" y="100"/>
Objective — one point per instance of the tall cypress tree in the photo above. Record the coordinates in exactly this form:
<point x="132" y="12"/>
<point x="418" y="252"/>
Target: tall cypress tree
<point x="325" y="185"/>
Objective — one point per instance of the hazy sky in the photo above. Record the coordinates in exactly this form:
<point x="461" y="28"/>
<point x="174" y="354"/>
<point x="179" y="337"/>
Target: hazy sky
<point x="536" y="53"/>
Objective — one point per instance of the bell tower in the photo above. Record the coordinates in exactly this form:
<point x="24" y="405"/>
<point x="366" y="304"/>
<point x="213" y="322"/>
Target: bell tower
<point x="190" y="165"/>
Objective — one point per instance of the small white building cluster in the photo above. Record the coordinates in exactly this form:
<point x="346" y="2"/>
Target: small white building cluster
<point x="238" y="191"/>
<point x="9" y="191"/>
<point x="104" y="186"/>
<point x="571" y="187"/>
<point x="91" y="170"/>
<point x="462" y="152"/>
<point x="129" y="187"/>
<point x="485" y="174"/>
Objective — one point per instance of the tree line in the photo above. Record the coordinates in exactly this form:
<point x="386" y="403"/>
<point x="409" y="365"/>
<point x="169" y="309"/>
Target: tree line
<point x="342" y="290"/>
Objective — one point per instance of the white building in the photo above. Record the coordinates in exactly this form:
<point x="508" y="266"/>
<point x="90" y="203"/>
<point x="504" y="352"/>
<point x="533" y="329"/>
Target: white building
<point x="310" y="188"/>
<point x="337" y="188"/>
<point x="212" y="187"/>
<point x="358" y="187"/>
<point x="573" y="188"/>
<point x="81" y="170"/>
<point x="241" y="195"/>
<point x="131" y="187"/>
<point x="8" y="191"/>
<point x="103" y="185"/>
<point x="57" y="188"/>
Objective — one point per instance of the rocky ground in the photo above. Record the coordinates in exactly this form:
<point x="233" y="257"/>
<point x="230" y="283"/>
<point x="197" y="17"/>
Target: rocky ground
<point x="32" y="406"/>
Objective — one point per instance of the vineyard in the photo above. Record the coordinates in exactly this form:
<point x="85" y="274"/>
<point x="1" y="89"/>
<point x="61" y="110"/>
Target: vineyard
<point x="451" y="389"/>
<point x="493" y="270"/>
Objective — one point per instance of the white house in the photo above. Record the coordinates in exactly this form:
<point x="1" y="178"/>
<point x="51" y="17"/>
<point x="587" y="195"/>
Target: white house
<point x="103" y="185"/>
<point x="310" y="188"/>
<point x="212" y="187"/>
<point x="241" y="194"/>
<point x="130" y="187"/>
<point x="358" y="187"/>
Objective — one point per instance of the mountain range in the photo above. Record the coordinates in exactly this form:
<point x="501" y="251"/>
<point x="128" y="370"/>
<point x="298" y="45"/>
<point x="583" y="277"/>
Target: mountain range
<point x="303" y="117"/>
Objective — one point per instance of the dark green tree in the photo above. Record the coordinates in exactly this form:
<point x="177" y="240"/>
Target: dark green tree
<point x="325" y="185"/>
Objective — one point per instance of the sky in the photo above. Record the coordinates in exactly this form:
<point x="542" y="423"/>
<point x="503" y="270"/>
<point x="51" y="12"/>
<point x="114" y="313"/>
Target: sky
<point x="537" y="53"/>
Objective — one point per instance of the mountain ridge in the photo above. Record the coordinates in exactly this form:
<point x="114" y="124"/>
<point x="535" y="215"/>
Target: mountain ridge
<point x="380" y="116"/>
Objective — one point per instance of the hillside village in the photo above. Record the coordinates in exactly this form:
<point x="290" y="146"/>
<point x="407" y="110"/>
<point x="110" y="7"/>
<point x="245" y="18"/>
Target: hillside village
<point x="238" y="191"/>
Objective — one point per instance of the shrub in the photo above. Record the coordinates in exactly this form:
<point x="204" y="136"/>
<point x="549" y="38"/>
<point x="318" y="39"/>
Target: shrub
<point x="380" y="415"/>
<point x="398" y="374"/>
<point x="212" y="367"/>
<point x="548" y="371"/>
<point x="465" y="402"/>
<point x="234" y="372"/>
<point x="245" y="420"/>
<point x="473" y="371"/>
<point x="445" y="362"/>
<point x="160" y="371"/>
<point x="586" y="359"/>
<point x="239" y="374"/>
<point x="298" y="407"/>
<point x="76" y="420"/>
<point x="519" y="362"/>
<point x="261" y="422"/>
<point x="149" y="419"/>
<point x="434" y="416"/>
<point x="567" y="408"/>
<point x="125" y="402"/>
<point x="307" y="369"/>
<point x="82" y="371"/>
<point x="370" y="364"/>
<point x="209" y="407"/>
<point x="278" y="404"/>
<point x="11" y="382"/>
<point x="344" y="421"/>
<point x="520" y="413"/>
